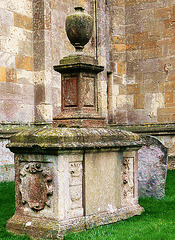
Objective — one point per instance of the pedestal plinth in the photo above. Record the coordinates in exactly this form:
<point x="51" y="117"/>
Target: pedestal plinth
<point x="70" y="179"/>
<point x="79" y="92"/>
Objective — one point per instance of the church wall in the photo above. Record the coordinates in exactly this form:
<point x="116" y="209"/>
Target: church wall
<point x="16" y="61"/>
<point x="33" y="40"/>
<point x="132" y="39"/>
<point x="146" y="89"/>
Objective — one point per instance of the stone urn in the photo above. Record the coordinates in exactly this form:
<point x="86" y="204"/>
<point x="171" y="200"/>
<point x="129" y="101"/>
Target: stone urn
<point x="79" y="27"/>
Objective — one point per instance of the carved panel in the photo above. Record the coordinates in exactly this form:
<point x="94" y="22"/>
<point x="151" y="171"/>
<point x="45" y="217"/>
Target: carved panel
<point x="36" y="185"/>
<point x="88" y="93"/>
<point x="127" y="180"/>
<point x="75" y="184"/>
<point x="70" y="91"/>
<point x="75" y="169"/>
<point x="76" y="196"/>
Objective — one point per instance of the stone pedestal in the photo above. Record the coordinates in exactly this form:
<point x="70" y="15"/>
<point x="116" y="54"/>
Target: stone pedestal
<point x="79" y="92"/>
<point x="70" y="179"/>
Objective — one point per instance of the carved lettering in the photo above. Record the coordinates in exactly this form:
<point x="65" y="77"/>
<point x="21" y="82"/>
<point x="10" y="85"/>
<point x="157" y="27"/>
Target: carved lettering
<point x="75" y="169"/>
<point x="75" y="182"/>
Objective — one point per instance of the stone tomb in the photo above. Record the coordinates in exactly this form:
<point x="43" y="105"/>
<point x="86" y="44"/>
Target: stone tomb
<point x="70" y="179"/>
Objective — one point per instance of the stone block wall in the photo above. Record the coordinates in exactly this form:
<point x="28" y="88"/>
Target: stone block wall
<point x="16" y="61"/>
<point x="32" y="41"/>
<point x="132" y="39"/>
<point x="171" y="163"/>
<point x="144" y="73"/>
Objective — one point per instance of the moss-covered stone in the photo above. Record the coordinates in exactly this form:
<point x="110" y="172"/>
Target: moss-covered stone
<point x="9" y="129"/>
<point x="55" y="139"/>
<point x="147" y="128"/>
<point x="40" y="228"/>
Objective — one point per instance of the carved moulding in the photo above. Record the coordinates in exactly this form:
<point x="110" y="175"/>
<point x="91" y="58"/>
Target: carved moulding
<point x="128" y="181"/>
<point x="75" y="184"/>
<point x="36" y="186"/>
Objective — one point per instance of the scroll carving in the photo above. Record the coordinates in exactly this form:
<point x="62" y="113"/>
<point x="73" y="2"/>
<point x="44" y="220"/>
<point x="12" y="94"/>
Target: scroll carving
<point x="127" y="179"/>
<point x="75" y="170"/>
<point x="75" y="190"/>
<point x="36" y="186"/>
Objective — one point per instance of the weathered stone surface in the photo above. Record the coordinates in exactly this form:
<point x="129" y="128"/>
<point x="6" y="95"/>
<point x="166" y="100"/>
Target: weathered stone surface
<point x="135" y="44"/>
<point x="163" y="131"/>
<point x="134" y="41"/>
<point x="171" y="162"/>
<point x="52" y="229"/>
<point x="2" y="74"/>
<point x="36" y="186"/>
<point x="102" y="176"/>
<point x="79" y="28"/>
<point x="152" y="160"/>
<point x="24" y="62"/>
<point x="70" y="179"/>
<point x="79" y="92"/>
<point x="54" y="139"/>
<point x="7" y="171"/>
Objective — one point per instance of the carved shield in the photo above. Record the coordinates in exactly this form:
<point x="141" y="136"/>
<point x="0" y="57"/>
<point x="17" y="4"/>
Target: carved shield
<point x="35" y="186"/>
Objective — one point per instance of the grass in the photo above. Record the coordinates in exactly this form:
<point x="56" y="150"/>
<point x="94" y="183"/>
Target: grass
<point x="7" y="209"/>
<point x="156" y="223"/>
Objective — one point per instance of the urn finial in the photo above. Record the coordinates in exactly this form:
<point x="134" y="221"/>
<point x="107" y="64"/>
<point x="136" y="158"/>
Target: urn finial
<point x="79" y="27"/>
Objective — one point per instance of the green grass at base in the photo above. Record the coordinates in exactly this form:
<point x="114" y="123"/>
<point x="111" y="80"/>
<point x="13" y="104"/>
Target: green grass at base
<point x="156" y="223"/>
<point x="7" y="209"/>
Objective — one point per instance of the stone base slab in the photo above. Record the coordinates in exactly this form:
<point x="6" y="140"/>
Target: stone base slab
<point x="80" y="123"/>
<point x="54" y="229"/>
<point x="80" y="119"/>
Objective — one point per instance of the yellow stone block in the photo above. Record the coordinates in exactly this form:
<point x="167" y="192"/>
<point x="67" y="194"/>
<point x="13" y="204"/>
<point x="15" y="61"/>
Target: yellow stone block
<point x="79" y="3"/>
<point x="119" y="47"/>
<point x="24" y="62"/>
<point x="2" y="74"/>
<point x="121" y="69"/>
<point x="23" y="21"/>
